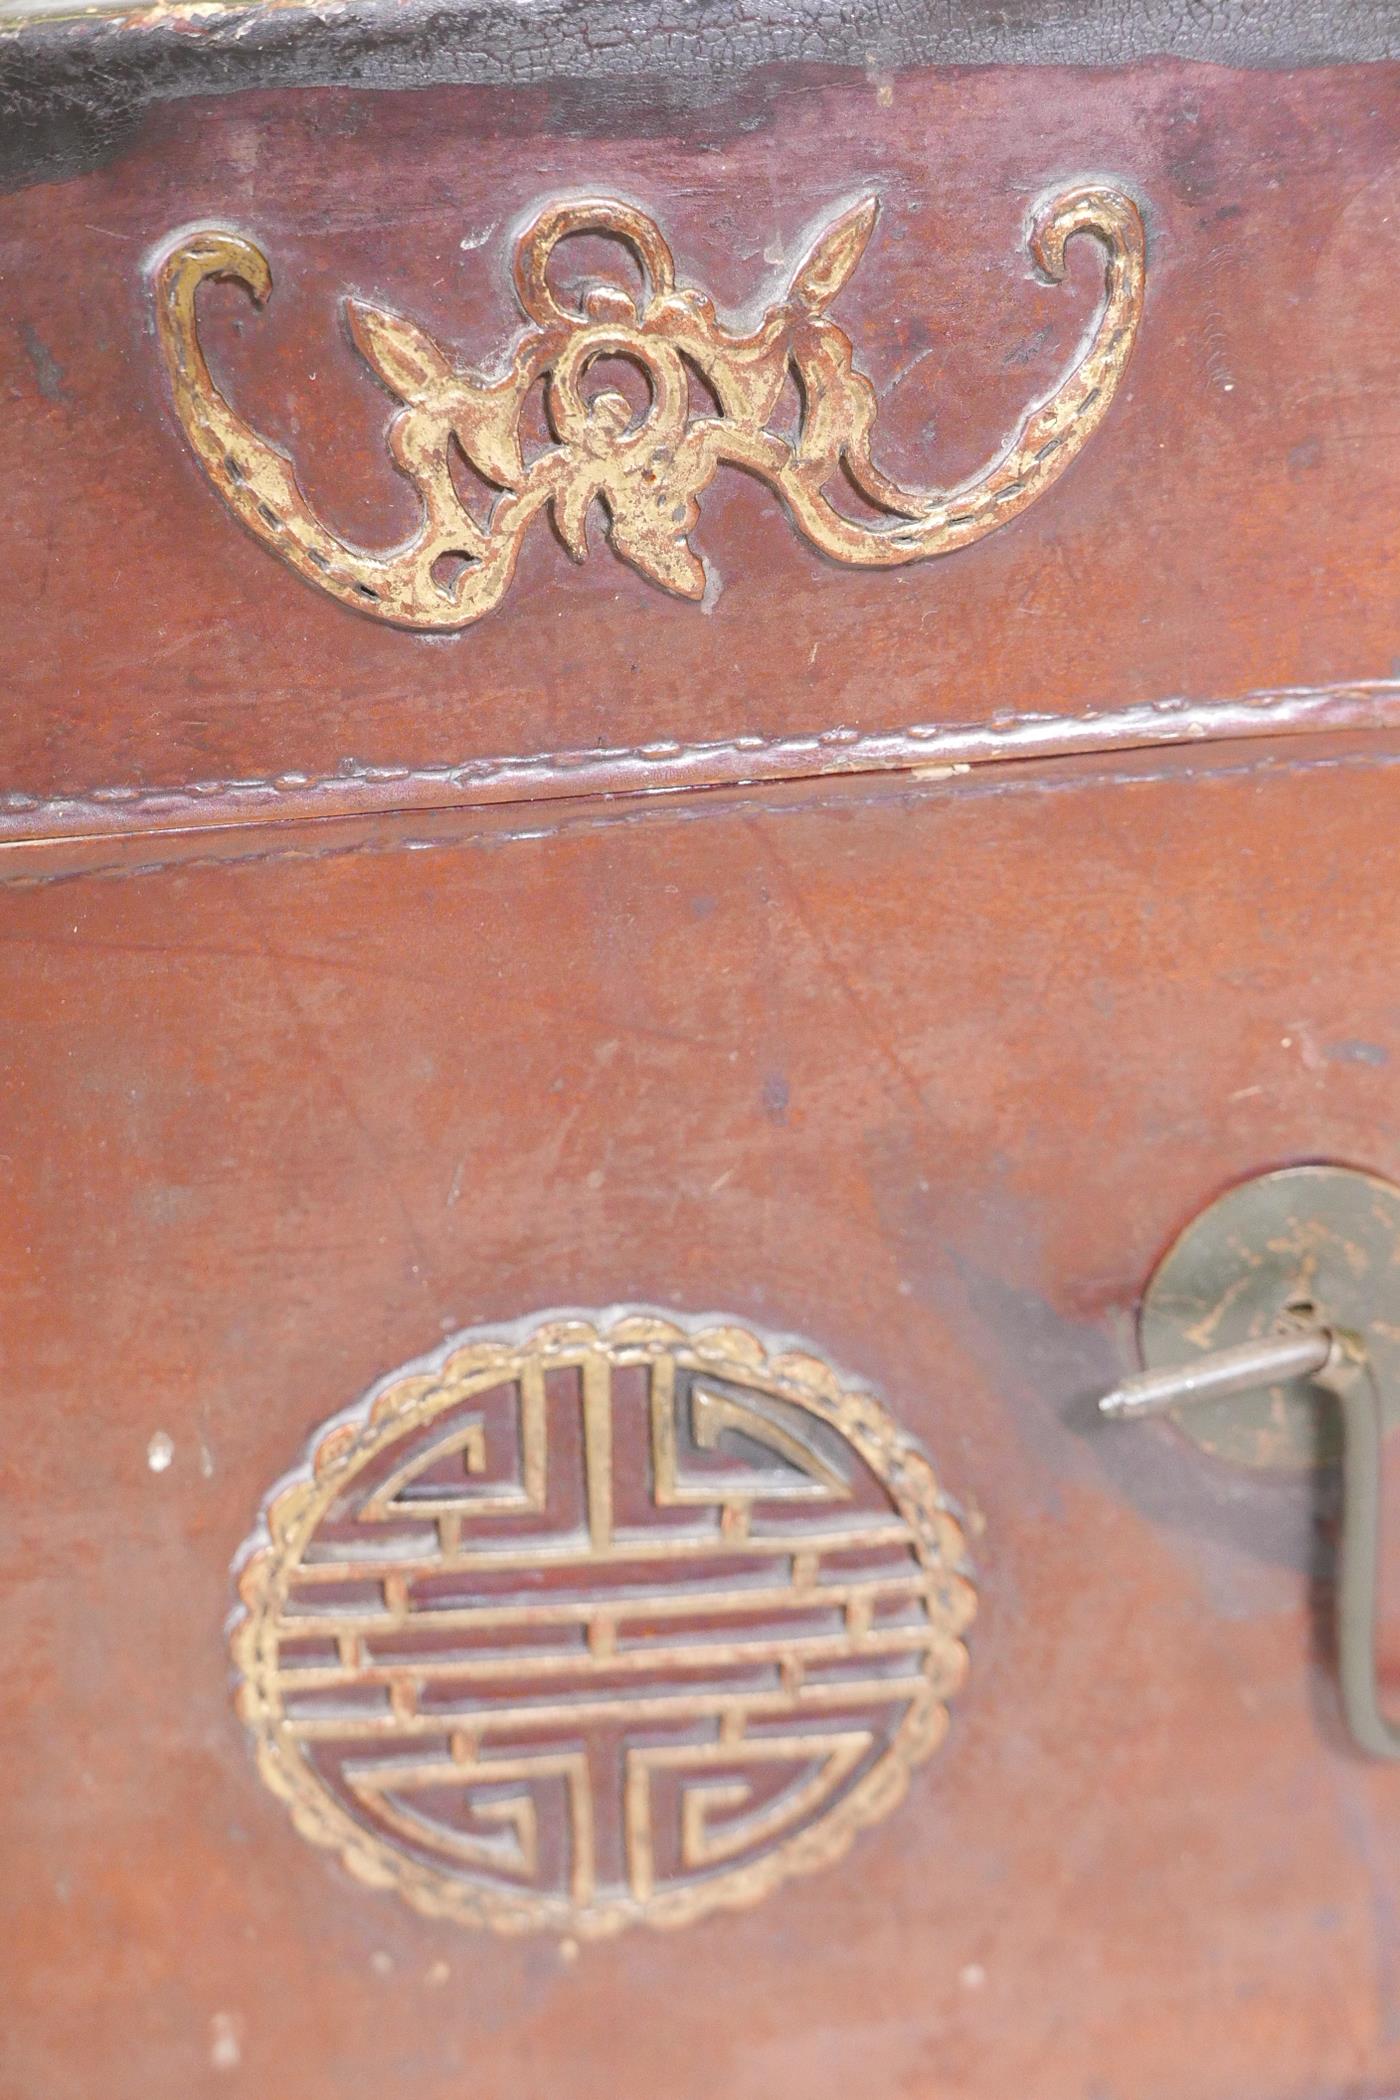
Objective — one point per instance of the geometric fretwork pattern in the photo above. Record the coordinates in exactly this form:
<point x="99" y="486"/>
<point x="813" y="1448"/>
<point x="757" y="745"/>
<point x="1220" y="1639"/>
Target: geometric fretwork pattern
<point x="594" y="1622"/>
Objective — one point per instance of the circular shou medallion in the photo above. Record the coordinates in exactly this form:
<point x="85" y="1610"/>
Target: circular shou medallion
<point x="600" y="1619"/>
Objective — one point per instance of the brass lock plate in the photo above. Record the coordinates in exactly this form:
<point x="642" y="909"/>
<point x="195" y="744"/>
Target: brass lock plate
<point x="1317" y="1237"/>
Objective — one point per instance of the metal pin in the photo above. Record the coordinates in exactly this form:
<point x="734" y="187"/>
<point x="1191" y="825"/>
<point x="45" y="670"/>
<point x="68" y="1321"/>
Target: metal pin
<point x="1273" y="1361"/>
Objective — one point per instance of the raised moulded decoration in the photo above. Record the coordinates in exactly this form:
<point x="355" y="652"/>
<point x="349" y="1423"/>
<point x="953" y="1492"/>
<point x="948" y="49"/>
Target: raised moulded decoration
<point x="646" y="467"/>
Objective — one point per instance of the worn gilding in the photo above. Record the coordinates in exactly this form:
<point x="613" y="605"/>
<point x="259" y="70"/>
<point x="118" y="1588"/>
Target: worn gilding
<point x="601" y="1621"/>
<point x="646" y="470"/>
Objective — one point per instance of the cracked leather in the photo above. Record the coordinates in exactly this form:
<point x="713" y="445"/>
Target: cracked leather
<point x="72" y="92"/>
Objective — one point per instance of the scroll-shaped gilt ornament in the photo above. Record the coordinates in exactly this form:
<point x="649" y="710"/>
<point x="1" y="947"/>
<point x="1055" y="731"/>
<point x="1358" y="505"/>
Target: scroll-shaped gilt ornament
<point x="647" y="469"/>
<point x="600" y="1620"/>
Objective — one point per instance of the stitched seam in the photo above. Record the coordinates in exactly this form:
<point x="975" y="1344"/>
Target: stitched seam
<point x="674" y="812"/>
<point x="666" y="751"/>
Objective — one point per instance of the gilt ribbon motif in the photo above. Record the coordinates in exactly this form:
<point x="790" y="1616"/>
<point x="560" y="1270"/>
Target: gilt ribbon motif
<point x="647" y="469"/>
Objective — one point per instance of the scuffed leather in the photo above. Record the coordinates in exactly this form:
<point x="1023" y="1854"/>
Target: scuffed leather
<point x="70" y="92"/>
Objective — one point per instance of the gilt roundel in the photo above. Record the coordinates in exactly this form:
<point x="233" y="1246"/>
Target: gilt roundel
<point x="598" y="1620"/>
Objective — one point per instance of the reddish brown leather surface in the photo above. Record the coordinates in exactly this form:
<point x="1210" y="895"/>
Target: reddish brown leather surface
<point x="929" y="1071"/>
<point x="1230" y="530"/>
<point x="932" y="1073"/>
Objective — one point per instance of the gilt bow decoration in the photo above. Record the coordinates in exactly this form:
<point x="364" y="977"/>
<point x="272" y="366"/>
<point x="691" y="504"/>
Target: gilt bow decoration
<point x="647" y="469"/>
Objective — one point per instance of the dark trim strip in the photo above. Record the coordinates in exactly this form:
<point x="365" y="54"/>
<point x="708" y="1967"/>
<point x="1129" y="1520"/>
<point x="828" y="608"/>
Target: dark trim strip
<point x="73" y="85"/>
